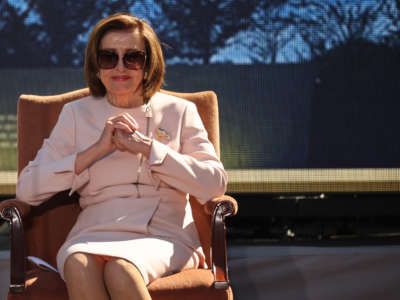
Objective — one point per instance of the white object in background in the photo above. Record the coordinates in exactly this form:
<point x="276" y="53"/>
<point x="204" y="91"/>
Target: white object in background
<point x="42" y="264"/>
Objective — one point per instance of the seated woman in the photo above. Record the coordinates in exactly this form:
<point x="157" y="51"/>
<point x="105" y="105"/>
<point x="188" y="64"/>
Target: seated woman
<point x="133" y="154"/>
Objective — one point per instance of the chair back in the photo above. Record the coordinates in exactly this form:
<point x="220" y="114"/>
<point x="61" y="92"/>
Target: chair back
<point x="48" y="224"/>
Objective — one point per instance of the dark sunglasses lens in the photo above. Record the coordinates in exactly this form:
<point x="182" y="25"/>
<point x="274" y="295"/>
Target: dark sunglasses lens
<point x="134" y="60"/>
<point x="107" y="59"/>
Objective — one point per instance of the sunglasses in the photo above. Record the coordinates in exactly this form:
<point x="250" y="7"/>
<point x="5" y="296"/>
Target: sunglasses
<point x="133" y="60"/>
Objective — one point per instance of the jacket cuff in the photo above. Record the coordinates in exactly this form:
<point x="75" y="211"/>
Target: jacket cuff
<point x="79" y="181"/>
<point x="158" y="152"/>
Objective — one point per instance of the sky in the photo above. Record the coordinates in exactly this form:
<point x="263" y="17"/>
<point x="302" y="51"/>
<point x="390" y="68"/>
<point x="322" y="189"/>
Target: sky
<point x="294" y="51"/>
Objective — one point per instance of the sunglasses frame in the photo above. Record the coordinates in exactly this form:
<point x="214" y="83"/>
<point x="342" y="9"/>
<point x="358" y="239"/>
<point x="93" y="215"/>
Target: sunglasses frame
<point x="124" y="59"/>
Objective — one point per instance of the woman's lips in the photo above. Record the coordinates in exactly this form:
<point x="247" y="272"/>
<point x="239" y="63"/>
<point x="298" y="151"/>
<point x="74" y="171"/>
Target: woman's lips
<point x="120" y="77"/>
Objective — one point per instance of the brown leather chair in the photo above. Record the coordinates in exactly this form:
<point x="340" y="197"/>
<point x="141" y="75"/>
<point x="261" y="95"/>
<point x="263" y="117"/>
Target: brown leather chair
<point x="40" y="231"/>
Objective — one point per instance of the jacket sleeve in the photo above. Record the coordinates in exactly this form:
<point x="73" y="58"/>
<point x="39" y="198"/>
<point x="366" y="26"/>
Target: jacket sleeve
<point x="53" y="169"/>
<point x="195" y="169"/>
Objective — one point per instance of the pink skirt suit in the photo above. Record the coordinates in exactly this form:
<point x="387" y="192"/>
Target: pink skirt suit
<point x="132" y="208"/>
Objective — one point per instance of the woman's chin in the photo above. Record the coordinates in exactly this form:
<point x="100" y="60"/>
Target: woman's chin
<point x="123" y="89"/>
<point x="121" y="92"/>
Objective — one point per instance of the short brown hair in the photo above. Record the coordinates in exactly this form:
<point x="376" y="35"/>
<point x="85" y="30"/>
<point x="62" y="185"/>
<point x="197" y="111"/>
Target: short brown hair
<point x="155" y="65"/>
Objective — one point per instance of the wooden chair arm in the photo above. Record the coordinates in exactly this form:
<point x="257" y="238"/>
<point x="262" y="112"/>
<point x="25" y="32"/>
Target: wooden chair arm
<point x="222" y="207"/>
<point x="12" y="210"/>
<point x="23" y="208"/>
<point x="209" y="207"/>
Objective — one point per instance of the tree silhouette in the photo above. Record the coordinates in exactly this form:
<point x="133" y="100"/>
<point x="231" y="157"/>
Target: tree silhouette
<point x="306" y="29"/>
<point x="65" y="25"/>
<point x="202" y="27"/>
<point x="20" y="45"/>
<point x="266" y="33"/>
<point x="51" y="33"/>
<point x="325" y="25"/>
<point x="392" y="12"/>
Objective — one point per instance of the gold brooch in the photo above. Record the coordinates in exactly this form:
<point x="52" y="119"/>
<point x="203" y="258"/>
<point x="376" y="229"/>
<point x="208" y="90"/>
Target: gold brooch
<point x="162" y="134"/>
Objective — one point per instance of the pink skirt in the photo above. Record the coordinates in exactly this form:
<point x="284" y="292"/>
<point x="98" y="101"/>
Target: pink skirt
<point x="154" y="256"/>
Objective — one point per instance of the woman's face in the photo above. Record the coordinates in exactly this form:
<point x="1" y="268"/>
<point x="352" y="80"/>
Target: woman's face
<point x="121" y="81"/>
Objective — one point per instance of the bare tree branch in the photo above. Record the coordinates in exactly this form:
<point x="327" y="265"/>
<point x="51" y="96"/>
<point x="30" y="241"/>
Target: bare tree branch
<point x="202" y="27"/>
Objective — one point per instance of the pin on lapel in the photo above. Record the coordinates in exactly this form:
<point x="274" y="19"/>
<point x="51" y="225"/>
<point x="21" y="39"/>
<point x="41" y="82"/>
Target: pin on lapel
<point x="162" y="134"/>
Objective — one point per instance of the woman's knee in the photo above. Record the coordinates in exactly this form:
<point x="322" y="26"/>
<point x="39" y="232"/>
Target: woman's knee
<point x="80" y="264"/>
<point x="83" y="274"/>
<point x="119" y="273"/>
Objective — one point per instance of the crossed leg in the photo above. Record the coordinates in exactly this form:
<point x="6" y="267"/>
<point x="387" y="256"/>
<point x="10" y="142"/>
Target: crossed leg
<point x="91" y="277"/>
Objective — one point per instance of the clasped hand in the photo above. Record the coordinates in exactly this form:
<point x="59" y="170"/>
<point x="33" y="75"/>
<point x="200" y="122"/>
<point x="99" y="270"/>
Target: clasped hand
<point x="122" y="132"/>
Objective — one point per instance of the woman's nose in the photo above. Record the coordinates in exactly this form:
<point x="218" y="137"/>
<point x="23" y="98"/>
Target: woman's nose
<point x="120" y="65"/>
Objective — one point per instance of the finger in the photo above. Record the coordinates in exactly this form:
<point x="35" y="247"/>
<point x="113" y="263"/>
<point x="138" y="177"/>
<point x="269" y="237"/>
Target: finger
<point x="126" y="118"/>
<point x="129" y="120"/>
<point x="109" y="125"/>
<point x="123" y="126"/>
<point x="139" y="134"/>
<point x="112" y="122"/>
<point x="132" y="120"/>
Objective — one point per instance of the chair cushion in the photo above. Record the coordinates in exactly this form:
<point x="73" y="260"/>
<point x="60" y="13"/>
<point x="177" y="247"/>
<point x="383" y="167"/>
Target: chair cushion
<point x="196" y="284"/>
<point x="190" y="284"/>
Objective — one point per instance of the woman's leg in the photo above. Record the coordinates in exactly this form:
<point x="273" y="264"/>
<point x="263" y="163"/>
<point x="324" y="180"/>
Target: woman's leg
<point x="124" y="281"/>
<point x="83" y="274"/>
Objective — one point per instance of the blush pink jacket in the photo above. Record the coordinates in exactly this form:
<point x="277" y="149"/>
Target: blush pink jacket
<point x="182" y="161"/>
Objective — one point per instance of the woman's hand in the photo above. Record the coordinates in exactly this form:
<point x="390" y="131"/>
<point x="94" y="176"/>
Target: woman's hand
<point x="123" y="122"/>
<point x="135" y="142"/>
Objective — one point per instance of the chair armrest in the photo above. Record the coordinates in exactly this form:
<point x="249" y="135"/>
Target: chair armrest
<point x="12" y="210"/>
<point x="23" y="208"/>
<point x="222" y="207"/>
<point x="230" y="202"/>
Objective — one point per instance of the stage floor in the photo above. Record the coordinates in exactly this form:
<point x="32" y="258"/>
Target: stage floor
<point x="315" y="273"/>
<point x="302" y="272"/>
